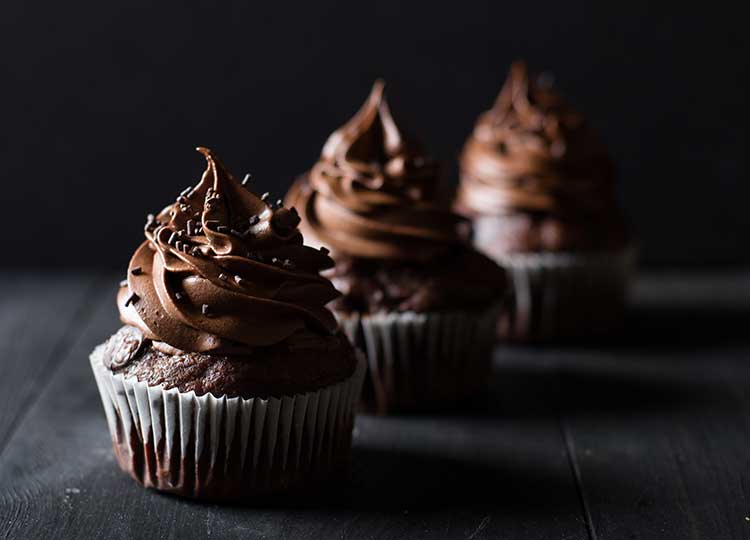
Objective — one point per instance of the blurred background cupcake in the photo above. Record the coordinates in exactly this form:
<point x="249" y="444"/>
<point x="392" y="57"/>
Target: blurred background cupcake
<point x="539" y="187"/>
<point x="230" y="378"/>
<point x="416" y="296"/>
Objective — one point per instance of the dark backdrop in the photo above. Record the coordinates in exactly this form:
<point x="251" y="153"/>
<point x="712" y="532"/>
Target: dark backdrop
<point x="103" y="103"/>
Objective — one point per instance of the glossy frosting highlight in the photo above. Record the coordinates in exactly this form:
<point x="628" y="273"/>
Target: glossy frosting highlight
<point x="374" y="193"/>
<point x="223" y="271"/>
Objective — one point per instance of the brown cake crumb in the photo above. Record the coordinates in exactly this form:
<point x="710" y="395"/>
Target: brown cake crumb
<point x="297" y="366"/>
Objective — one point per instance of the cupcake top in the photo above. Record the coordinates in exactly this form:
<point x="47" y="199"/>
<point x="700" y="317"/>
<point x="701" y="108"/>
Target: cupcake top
<point x="536" y="161"/>
<point x="222" y="271"/>
<point x="374" y="192"/>
<point x="374" y="198"/>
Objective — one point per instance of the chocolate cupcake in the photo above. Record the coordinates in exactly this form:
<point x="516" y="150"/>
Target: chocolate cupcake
<point x="416" y="296"/>
<point x="539" y="186"/>
<point x="230" y="377"/>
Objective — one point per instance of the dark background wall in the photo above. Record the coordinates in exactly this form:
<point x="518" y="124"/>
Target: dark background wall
<point x="103" y="103"/>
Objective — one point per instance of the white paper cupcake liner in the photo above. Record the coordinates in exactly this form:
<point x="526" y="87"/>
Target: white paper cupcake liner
<point x="566" y="295"/>
<point x="218" y="448"/>
<point x="422" y="360"/>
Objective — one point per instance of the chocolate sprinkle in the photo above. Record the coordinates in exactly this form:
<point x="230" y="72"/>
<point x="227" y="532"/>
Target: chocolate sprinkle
<point x="254" y="220"/>
<point x="185" y="191"/>
<point x="178" y="296"/>
<point x="136" y="271"/>
<point x="196" y="252"/>
<point x="285" y="220"/>
<point x="238" y="280"/>
<point x="205" y="310"/>
<point x="247" y="179"/>
<point x="223" y="277"/>
<point x="265" y="196"/>
<point x="132" y="299"/>
<point x="190" y="227"/>
<point x="172" y="238"/>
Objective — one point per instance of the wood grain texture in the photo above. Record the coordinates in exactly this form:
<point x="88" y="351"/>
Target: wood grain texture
<point x="38" y="316"/>
<point x="658" y="426"/>
<point x="500" y="471"/>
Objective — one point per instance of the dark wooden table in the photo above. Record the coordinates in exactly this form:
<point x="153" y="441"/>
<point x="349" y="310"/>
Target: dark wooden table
<point x="648" y="437"/>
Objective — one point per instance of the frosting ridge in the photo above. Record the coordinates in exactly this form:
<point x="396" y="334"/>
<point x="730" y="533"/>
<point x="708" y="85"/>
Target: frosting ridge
<point x="222" y="271"/>
<point x="531" y="152"/>
<point x="374" y="193"/>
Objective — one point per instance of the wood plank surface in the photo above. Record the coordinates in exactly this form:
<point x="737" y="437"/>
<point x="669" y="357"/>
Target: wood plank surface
<point x="38" y="315"/>
<point x="501" y="471"/>
<point x="659" y="426"/>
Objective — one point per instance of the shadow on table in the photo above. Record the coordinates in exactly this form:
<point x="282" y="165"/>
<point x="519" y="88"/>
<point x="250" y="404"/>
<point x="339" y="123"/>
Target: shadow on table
<point x="669" y="358"/>
<point x="519" y="478"/>
<point x="392" y="480"/>
<point x="668" y="328"/>
<point x="661" y="327"/>
<point x="602" y="385"/>
<point x="399" y="483"/>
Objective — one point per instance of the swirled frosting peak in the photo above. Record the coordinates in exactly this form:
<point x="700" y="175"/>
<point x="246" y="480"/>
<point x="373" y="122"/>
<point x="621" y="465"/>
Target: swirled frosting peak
<point x="223" y="270"/>
<point x="532" y="152"/>
<point x="374" y="193"/>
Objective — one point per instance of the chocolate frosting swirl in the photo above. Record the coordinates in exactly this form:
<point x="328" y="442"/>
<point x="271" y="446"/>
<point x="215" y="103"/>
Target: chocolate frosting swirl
<point x="532" y="153"/>
<point x="222" y="271"/>
<point x="374" y="193"/>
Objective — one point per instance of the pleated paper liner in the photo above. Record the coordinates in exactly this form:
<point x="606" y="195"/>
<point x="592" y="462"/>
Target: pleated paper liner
<point x="422" y="361"/>
<point x="566" y="295"/>
<point x="228" y="448"/>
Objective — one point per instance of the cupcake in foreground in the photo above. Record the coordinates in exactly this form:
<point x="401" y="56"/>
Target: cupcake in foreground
<point x="230" y="378"/>
<point x="539" y="187"/>
<point x="416" y="297"/>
